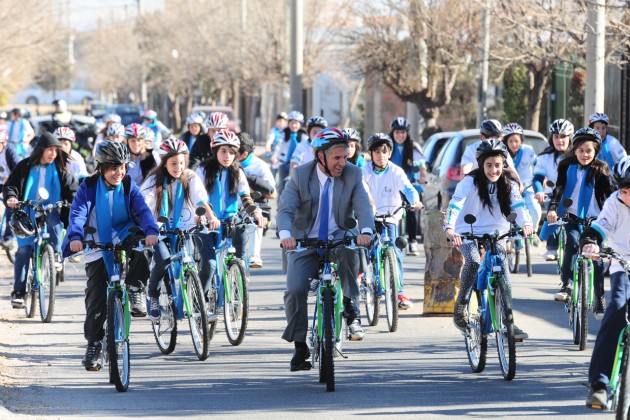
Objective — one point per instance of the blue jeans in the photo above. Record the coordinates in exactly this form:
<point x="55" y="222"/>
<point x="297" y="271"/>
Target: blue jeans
<point x="392" y="232"/>
<point x="23" y="254"/>
<point x="8" y="233"/>
<point x="614" y="320"/>
<point x="571" y="249"/>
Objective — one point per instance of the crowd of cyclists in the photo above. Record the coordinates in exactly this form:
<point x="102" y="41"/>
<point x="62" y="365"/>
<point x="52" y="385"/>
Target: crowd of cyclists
<point x="142" y="172"/>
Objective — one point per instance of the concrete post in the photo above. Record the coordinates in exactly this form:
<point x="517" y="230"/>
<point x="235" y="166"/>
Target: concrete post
<point x="297" y="54"/>
<point x="595" y="62"/>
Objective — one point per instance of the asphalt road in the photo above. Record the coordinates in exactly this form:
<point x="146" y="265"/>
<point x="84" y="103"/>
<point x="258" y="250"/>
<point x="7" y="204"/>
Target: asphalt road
<point x="421" y="370"/>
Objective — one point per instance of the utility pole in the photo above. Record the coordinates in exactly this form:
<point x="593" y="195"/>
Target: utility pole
<point x="144" y="97"/>
<point x="485" y="55"/>
<point x="297" y="53"/>
<point x="595" y="63"/>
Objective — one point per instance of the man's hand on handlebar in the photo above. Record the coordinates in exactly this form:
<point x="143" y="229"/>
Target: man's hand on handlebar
<point x="364" y="240"/>
<point x="288" y="244"/>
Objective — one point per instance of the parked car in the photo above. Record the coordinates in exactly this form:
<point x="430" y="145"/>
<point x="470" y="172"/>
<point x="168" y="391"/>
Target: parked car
<point x="431" y="149"/>
<point x="96" y="109"/>
<point x="35" y="95"/>
<point x="446" y="171"/>
<point x="129" y="113"/>
<point x="233" y="125"/>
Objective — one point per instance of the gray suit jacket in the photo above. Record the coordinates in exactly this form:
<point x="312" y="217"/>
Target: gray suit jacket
<point x="299" y="201"/>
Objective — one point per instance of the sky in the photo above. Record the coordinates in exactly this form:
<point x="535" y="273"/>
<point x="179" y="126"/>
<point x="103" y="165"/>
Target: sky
<point x="84" y="14"/>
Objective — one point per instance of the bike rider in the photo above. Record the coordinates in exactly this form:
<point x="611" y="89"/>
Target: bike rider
<point x="141" y="161"/>
<point x="490" y="193"/>
<point x="45" y="168"/>
<point x="408" y="155"/>
<point x="611" y="225"/>
<point x="560" y="132"/>
<point x="300" y="215"/>
<point x="20" y="133"/>
<point x="76" y="164"/>
<point x="202" y="149"/>
<point x="196" y="129"/>
<point x="174" y="191"/>
<point x="261" y="180"/>
<point x="116" y="132"/>
<point x="60" y="116"/>
<point x="354" y="147"/>
<point x="586" y="181"/>
<point x="612" y="151"/>
<point x="274" y="138"/>
<point x="151" y="123"/>
<point x="291" y="137"/>
<point x="386" y="181"/>
<point x="8" y="161"/>
<point x="303" y="151"/>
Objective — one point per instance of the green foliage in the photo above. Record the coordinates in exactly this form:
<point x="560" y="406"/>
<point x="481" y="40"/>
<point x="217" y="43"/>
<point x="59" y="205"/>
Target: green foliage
<point x="515" y="95"/>
<point x="575" y="106"/>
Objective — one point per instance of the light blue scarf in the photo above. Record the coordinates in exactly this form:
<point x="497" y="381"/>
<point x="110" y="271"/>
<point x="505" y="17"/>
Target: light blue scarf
<point x="178" y="204"/>
<point x="31" y="191"/>
<point x="292" y="146"/>
<point x="19" y="149"/>
<point x="605" y="154"/>
<point x="518" y="158"/>
<point x="586" y="190"/>
<point x="223" y="203"/>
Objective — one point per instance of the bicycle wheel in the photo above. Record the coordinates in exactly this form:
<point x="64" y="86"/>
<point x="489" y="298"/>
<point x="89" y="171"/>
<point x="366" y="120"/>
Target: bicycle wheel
<point x="328" y="325"/>
<point x="623" y="389"/>
<point x="165" y="329"/>
<point x="476" y="340"/>
<point x="31" y="296"/>
<point x="370" y="298"/>
<point x="560" y="248"/>
<point x="513" y="256"/>
<point x="211" y="306"/>
<point x="528" y="256"/>
<point x="583" y="306"/>
<point x="198" y="319"/>
<point x="117" y="341"/>
<point x="236" y="310"/>
<point x="391" y="292"/>
<point x="506" y="345"/>
<point x="60" y="275"/>
<point x="47" y="283"/>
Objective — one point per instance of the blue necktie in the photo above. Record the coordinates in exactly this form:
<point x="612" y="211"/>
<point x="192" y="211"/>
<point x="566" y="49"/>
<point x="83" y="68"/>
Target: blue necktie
<point x="324" y="209"/>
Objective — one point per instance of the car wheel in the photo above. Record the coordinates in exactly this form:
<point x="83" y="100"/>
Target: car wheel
<point x="32" y="100"/>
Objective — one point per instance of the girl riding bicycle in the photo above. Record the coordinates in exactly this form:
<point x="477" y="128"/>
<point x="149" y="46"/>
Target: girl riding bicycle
<point x="354" y="147"/>
<point x="491" y="194"/>
<point x="44" y="168"/>
<point x="586" y="181"/>
<point x="174" y="191"/>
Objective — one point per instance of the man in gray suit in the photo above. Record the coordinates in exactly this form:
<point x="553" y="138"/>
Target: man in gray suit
<point x="299" y="216"/>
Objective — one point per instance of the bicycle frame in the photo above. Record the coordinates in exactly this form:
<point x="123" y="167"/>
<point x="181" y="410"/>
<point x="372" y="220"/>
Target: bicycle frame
<point x="116" y="282"/>
<point x="589" y="281"/>
<point x="225" y="252"/>
<point x="329" y="280"/>
<point x="490" y="272"/>
<point x="180" y="294"/>
<point x="382" y="243"/>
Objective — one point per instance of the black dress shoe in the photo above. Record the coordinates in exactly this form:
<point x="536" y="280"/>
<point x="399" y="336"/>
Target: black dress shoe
<point x="300" y="361"/>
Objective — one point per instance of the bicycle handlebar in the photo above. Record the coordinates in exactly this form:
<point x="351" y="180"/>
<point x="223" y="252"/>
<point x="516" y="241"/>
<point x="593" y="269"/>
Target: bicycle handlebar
<point x="609" y="253"/>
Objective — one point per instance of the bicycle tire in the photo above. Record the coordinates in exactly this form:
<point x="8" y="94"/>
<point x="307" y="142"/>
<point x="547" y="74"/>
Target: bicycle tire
<point x="513" y="257"/>
<point x="583" y="308"/>
<point x="236" y="309"/>
<point x="165" y="329"/>
<point x="623" y="389"/>
<point x="391" y="292"/>
<point x="211" y="306"/>
<point x="528" y="256"/>
<point x="31" y="296"/>
<point x="328" y="325"/>
<point x="560" y="253"/>
<point x="47" y="283"/>
<point x="61" y="275"/>
<point x="476" y="340"/>
<point x="117" y="341"/>
<point x="198" y="320"/>
<point x="370" y="296"/>
<point x="505" y="335"/>
<point x="10" y="256"/>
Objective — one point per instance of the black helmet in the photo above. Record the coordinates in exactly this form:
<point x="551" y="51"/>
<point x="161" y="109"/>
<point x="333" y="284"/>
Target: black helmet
<point x="316" y="121"/>
<point x="400" y="123"/>
<point x="378" y="139"/>
<point x="247" y="143"/>
<point x="112" y="152"/>
<point x="621" y="172"/>
<point x="22" y="224"/>
<point x="491" y="147"/>
<point x="587" y="134"/>
<point x="491" y="128"/>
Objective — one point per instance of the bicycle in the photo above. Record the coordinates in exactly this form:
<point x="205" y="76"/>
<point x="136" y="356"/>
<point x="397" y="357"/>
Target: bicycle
<point x="115" y="342"/>
<point x="187" y="300"/>
<point x="326" y="334"/>
<point x="514" y="248"/>
<point x="381" y="277"/>
<point x="491" y="310"/>
<point x="41" y="278"/>
<point x="230" y="290"/>
<point x="3" y="227"/>
<point x="619" y="399"/>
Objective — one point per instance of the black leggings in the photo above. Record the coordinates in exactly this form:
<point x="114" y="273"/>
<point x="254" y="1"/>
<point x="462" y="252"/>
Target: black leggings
<point x="472" y="259"/>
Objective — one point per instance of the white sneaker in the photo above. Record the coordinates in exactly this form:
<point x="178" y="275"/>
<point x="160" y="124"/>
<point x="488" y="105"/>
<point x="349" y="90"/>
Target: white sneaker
<point x="355" y="332"/>
<point x="255" y="262"/>
<point x="550" y="255"/>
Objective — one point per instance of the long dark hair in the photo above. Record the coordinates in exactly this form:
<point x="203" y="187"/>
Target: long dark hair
<point x="551" y="149"/>
<point x="161" y="174"/>
<point x="213" y="167"/>
<point x="503" y="187"/>
<point x="599" y="167"/>
<point x="61" y="161"/>
<point x="408" y="148"/>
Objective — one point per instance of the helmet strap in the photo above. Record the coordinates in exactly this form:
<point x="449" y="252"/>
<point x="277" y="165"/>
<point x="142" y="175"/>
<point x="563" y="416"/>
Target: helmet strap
<point x="324" y="163"/>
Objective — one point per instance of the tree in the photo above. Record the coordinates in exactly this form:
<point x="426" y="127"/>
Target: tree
<point x="417" y="48"/>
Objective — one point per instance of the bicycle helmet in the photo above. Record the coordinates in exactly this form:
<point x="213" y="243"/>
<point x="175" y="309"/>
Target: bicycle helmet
<point x="171" y="147"/>
<point x="353" y="134"/>
<point x="113" y="118"/>
<point x="597" y="117"/>
<point x="65" y="133"/>
<point x="135" y="131"/>
<point x="61" y="104"/>
<point x="218" y="121"/>
<point x="327" y="138"/>
<point x="282" y="116"/>
<point x="316" y="121"/>
<point x="195" y="118"/>
<point x="225" y="138"/>
<point x="109" y="151"/>
<point x="621" y="173"/>
<point x="296" y="116"/>
<point x="4" y="135"/>
<point x="491" y="147"/>
<point x="115" y="130"/>
<point x="491" y="128"/>
<point x="378" y="139"/>
<point x="562" y="127"/>
<point x="512" y="128"/>
<point x="22" y="224"/>
<point x="400" y="123"/>
<point x="247" y="143"/>
<point x="587" y="134"/>
<point x="3" y="115"/>
<point x="150" y="115"/>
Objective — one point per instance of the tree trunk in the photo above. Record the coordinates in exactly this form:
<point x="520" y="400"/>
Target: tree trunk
<point x="538" y="76"/>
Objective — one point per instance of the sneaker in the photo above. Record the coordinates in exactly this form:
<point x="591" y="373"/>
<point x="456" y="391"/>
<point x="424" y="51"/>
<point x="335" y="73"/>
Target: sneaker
<point x="355" y="332"/>
<point x="460" y="317"/>
<point x="599" y="307"/>
<point x="597" y="396"/>
<point x="520" y="335"/>
<point x="92" y="355"/>
<point x="17" y="300"/>
<point x="138" y="302"/>
<point x="255" y="262"/>
<point x="404" y="302"/>
<point x="550" y="255"/>
<point x="154" y="309"/>
<point x="563" y="294"/>
<point x="413" y="249"/>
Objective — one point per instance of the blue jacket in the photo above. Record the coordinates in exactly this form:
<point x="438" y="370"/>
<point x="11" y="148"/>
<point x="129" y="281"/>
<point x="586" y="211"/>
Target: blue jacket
<point x="85" y="200"/>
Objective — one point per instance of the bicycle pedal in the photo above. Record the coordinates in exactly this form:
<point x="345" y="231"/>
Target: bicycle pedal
<point x="138" y="314"/>
<point x="518" y="340"/>
<point x="212" y="318"/>
<point x="93" y="368"/>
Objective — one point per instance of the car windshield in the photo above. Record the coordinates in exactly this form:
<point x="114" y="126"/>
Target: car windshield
<point x="126" y="110"/>
<point x="440" y="156"/>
